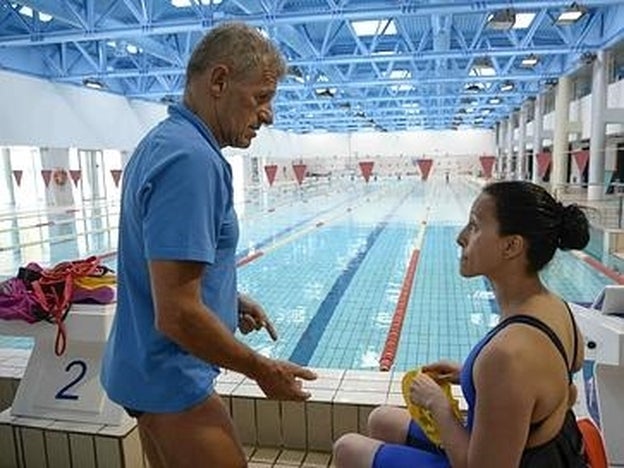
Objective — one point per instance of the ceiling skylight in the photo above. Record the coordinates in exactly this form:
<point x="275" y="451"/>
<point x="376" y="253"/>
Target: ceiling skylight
<point x="27" y="11"/>
<point x="482" y="71"/>
<point x="187" y="3"/>
<point x="399" y="74"/>
<point x="374" y="27"/>
<point x="523" y="20"/>
<point x="402" y="87"/>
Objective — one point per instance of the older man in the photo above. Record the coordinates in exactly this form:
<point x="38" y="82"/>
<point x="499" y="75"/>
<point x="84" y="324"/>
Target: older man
<point x="177" y="301"/>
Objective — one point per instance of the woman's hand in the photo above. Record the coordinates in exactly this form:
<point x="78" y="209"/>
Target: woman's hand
<point x="426" y="393"/>
<point x="443" y="371"/>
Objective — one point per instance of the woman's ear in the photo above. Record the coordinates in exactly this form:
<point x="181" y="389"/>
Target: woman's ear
<point x="513" y="246"/>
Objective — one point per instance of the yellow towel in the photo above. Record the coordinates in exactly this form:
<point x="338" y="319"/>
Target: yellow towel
<point x="421" y="415"/>
<point x="93" y="282"/>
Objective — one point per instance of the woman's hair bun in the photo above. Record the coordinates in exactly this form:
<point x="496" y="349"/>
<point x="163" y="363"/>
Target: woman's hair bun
<point x="574" y="231"/>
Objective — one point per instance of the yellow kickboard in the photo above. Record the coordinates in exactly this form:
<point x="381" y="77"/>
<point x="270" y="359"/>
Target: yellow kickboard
<point x="422" y="416"/>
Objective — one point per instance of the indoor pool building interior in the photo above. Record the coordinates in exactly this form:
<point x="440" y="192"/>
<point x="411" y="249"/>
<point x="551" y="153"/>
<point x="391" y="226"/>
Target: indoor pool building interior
<point x="390" y="120"/>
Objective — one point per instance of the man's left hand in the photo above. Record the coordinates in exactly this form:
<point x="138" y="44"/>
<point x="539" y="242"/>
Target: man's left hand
<point x="251" y="316"/>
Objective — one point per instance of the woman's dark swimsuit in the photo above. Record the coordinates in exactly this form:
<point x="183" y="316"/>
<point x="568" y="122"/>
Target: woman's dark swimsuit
<point x="565" y="450"/>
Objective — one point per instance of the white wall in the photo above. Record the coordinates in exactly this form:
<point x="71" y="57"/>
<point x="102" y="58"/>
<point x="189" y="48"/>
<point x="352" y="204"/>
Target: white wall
<point x="277" y="145"/>
<point x="430" y="144"/>
<point x="41" y="113"/>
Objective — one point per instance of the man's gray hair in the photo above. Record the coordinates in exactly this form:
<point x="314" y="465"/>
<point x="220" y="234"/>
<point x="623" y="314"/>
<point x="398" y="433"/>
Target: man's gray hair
<point x="241" y="47"/>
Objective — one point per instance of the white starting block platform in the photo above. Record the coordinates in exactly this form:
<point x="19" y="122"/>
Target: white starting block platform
<point x="603" y="332"/>
<point x="67" y="387"/>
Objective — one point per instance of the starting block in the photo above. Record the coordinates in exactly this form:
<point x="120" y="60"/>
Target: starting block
<point x="67" y="387"/>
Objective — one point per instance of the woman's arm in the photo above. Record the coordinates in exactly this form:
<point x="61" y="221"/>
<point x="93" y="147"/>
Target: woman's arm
<point x="443" y="371"/>
<point x="503" y="380"/>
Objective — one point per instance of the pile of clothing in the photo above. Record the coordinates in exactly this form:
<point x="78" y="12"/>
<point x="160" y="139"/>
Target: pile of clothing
<point x="47" y="294"/>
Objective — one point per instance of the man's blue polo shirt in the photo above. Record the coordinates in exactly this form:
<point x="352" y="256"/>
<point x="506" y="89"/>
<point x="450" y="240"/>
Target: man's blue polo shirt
<point x="176" y="204"/>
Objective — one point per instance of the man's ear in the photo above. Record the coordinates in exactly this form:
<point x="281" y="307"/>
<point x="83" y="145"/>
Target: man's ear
<point x="219" y="76"/>
<point x="513" y="246"/>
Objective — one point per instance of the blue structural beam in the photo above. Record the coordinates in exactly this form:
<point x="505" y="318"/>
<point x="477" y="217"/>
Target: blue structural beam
<point x="338" y="78"/>
<point x="347" y="13"/>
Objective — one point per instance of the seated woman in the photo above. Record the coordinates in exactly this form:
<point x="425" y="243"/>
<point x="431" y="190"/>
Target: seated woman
<point x="517" y="380"/>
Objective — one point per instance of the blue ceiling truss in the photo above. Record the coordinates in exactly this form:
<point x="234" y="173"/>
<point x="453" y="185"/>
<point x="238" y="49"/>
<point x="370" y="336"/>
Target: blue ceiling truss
<point x="427" y="64"/>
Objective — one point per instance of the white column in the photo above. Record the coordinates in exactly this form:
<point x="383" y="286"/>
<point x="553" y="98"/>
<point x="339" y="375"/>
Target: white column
<point x="598" y="127"/>
<point x="538" y="132"/>
<point x="9" y="180"/>
<point x="510" y="168"/>
<point x="522" y="123"/>
<point x="560" y="139"/>
<point x="125" y="157"/>
<point x="56" y="159"/>
<point x="499" y="148"/>
<point x="95" y="173"/>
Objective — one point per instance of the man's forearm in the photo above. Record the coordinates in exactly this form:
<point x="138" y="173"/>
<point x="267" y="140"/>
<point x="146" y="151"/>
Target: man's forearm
<point x="198" y="330"/>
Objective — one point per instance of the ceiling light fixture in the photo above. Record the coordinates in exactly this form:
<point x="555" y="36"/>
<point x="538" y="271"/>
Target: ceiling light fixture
<point x="530" y="61"/>
<point x="93" y="83"/>
<point x="168" y="99"/>
<point x="473" y="87"/>
<point x="482" y="62"/>
<point x="570" y="15"/>
<point x="502" y="19"/>
<point x="507" y="86"/>
<point x="588" y="58"/>
<point x="326" y="92"/>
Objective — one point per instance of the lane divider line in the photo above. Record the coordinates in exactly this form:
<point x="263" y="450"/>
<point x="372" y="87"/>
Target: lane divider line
<point x="391" y="346"/>
<point x="249" y="258"/>
<point x="605" y="270"/>
<point x="285" y="239"/>
<point x="316" y="326"/>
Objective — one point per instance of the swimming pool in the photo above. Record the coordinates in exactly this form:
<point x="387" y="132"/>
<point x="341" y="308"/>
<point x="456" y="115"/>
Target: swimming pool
<point x="329" y="266"/>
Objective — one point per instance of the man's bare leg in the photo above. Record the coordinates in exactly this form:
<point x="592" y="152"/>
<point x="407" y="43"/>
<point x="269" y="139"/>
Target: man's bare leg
<point x="200" y="436"/>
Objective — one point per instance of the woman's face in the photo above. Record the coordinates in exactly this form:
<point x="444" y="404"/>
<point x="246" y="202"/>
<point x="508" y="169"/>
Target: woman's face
<point x="480" y="241"/>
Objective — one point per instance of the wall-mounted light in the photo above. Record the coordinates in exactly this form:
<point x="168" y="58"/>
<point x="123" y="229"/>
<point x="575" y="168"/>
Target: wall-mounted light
<point x="93" y="83"/>
<point x="550" y="82"/>
<point x="588" y="58"/>
<point x="570" y="15"/>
